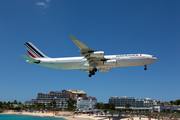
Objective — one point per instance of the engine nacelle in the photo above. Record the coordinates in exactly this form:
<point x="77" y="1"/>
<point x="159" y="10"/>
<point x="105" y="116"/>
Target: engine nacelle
<point x="97" y="54"/>
<point x="104" y="70"/>
<point x="110" y="62"/>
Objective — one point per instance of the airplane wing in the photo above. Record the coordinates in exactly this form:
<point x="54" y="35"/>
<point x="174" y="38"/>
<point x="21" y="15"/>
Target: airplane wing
<point x="94" y="57"/>
<point x="81" y="46"/>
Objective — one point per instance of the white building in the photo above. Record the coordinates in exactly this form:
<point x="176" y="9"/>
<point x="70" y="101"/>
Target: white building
<point x="148" y="102"/>
<point x="166" y="107"/>
<point x="59" y="97"/>
<point x="133" y="102"/>
<point x="60" y="102"/>
<point x="88" y="103"/>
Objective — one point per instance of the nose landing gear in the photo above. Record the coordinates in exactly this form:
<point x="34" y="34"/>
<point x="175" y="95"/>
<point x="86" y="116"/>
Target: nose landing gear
<point x="92" y="72"/>
<point x="145" y="67"/>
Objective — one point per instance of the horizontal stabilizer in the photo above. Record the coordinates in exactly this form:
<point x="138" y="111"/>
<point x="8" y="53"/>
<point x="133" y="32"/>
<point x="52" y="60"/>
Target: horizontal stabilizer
<point x="30" y="59"/>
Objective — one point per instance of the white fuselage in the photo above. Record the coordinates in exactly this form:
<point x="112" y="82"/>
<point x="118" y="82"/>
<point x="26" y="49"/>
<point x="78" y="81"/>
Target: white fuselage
<point x="82" y="63"/>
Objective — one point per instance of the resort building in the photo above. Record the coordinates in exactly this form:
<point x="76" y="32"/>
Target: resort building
<point x="133" y="102"/>
<point x="77" y="93"/>
<point x="60" y="98"/>
<point x="166" y="108"/>
<point x="84" y="104"/>
<point x="149" y="102"/>
<point x="72" y="93"/>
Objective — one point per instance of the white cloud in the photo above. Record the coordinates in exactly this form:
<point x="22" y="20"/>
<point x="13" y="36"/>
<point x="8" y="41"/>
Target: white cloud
<point x="41" y="3"/>
<point x="44" y="4"/>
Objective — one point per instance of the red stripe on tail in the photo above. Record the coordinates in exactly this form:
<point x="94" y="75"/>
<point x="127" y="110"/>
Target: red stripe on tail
<point x="31" y="54"/>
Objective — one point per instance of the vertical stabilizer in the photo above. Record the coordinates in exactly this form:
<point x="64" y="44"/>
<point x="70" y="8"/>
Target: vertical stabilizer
<point x="33" y="51"/>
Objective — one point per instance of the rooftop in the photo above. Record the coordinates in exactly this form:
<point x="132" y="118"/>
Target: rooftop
<point x="77" y="91"/>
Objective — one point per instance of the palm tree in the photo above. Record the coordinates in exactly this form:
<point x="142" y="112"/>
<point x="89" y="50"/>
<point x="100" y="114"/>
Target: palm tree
<point x="54" y="104"/>
<point x="15" y="102"/>
<point x="172" y="102"/>
<point x="98" y="106"/>
<point x="62" y="103"/>
<point x="24" y="107"/>
<point x="71" y="104"/>
<point x="112" y="106"/>
<point x="1" y="104"/>
<point x="102" y="106"/>
<point x="43" y="107"/>
<point x="49" y="105"/>
<point x="19" y="103"/>
<point x="127" y="106"/>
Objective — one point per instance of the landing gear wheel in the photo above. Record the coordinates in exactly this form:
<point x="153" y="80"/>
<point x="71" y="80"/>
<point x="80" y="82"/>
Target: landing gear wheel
<point x="145" y="67"/>
<point x="90" y="75"/>
<point x="93" y="73"/>
<point x="94" y="69"/>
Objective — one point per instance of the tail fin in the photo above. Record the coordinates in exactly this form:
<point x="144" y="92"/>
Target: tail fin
<point x="33" y="51"/>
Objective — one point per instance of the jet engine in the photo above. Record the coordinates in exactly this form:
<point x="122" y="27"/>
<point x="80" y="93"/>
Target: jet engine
<point x="97" y="54"/>
<point x="110" y="62"/>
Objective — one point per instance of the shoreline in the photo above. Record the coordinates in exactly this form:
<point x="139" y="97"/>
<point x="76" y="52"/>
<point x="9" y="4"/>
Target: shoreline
<point x="79" y="117"/>
<point x="76" y="117"/>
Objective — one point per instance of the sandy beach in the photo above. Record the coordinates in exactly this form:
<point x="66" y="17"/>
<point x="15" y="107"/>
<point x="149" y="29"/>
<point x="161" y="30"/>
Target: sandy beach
<point x="77" y="117"/>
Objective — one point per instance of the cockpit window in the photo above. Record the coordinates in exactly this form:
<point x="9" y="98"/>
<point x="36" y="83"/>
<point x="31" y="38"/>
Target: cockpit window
<point x="152" y="56"/>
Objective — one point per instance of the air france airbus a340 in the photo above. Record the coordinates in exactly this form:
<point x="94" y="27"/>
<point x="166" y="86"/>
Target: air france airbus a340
<point x="91" y="62"/>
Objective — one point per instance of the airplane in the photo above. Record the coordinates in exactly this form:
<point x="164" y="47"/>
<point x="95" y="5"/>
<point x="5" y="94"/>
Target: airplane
<point x="91" y="62"/>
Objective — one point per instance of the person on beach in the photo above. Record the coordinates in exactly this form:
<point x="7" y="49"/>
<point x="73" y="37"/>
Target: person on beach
<point x="170" y="117"/>
<point x="119" y="116"/>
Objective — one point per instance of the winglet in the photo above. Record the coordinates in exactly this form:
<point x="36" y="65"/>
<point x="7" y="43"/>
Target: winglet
<point x="72" y="37"/>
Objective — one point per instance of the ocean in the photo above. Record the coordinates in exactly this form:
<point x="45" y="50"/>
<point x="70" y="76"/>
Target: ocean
<point x="26" y="117"/>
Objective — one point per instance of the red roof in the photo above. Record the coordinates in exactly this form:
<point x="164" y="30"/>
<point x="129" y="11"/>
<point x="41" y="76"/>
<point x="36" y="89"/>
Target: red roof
<point x="64" y="90"/>
<point x="52" y="92"/>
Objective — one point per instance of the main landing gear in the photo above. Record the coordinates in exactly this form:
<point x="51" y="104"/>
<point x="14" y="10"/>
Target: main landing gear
<point x="145" y="67"/>
<point x="92" y="72"/>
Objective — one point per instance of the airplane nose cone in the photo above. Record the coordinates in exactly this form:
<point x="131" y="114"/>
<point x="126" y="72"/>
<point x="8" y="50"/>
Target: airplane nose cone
<point x="155" y="59"/>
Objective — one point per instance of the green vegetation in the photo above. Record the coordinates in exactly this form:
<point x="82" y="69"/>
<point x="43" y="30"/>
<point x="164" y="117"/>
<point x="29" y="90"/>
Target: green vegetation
<point x="71" y="104"/>
<point x="11" y="105"/>
<point x="54" y="104"/>
<point x="15" y="102"/>
<point x="51" y="106"/>
<point x="127" y="106"/>
<point x="177" y="102"/>
<point x="105" y="106"/>
<point x="36" y="106"/>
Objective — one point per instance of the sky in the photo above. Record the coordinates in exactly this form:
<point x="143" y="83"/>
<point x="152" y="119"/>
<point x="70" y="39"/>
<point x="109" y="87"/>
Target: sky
<point x="115" y="27"/>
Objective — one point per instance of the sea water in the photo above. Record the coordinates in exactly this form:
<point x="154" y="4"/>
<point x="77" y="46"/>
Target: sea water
<point x="26" y="117"/>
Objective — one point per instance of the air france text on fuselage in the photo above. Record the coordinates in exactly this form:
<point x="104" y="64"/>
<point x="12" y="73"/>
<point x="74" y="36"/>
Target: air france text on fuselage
<point x="130" y="55"/>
